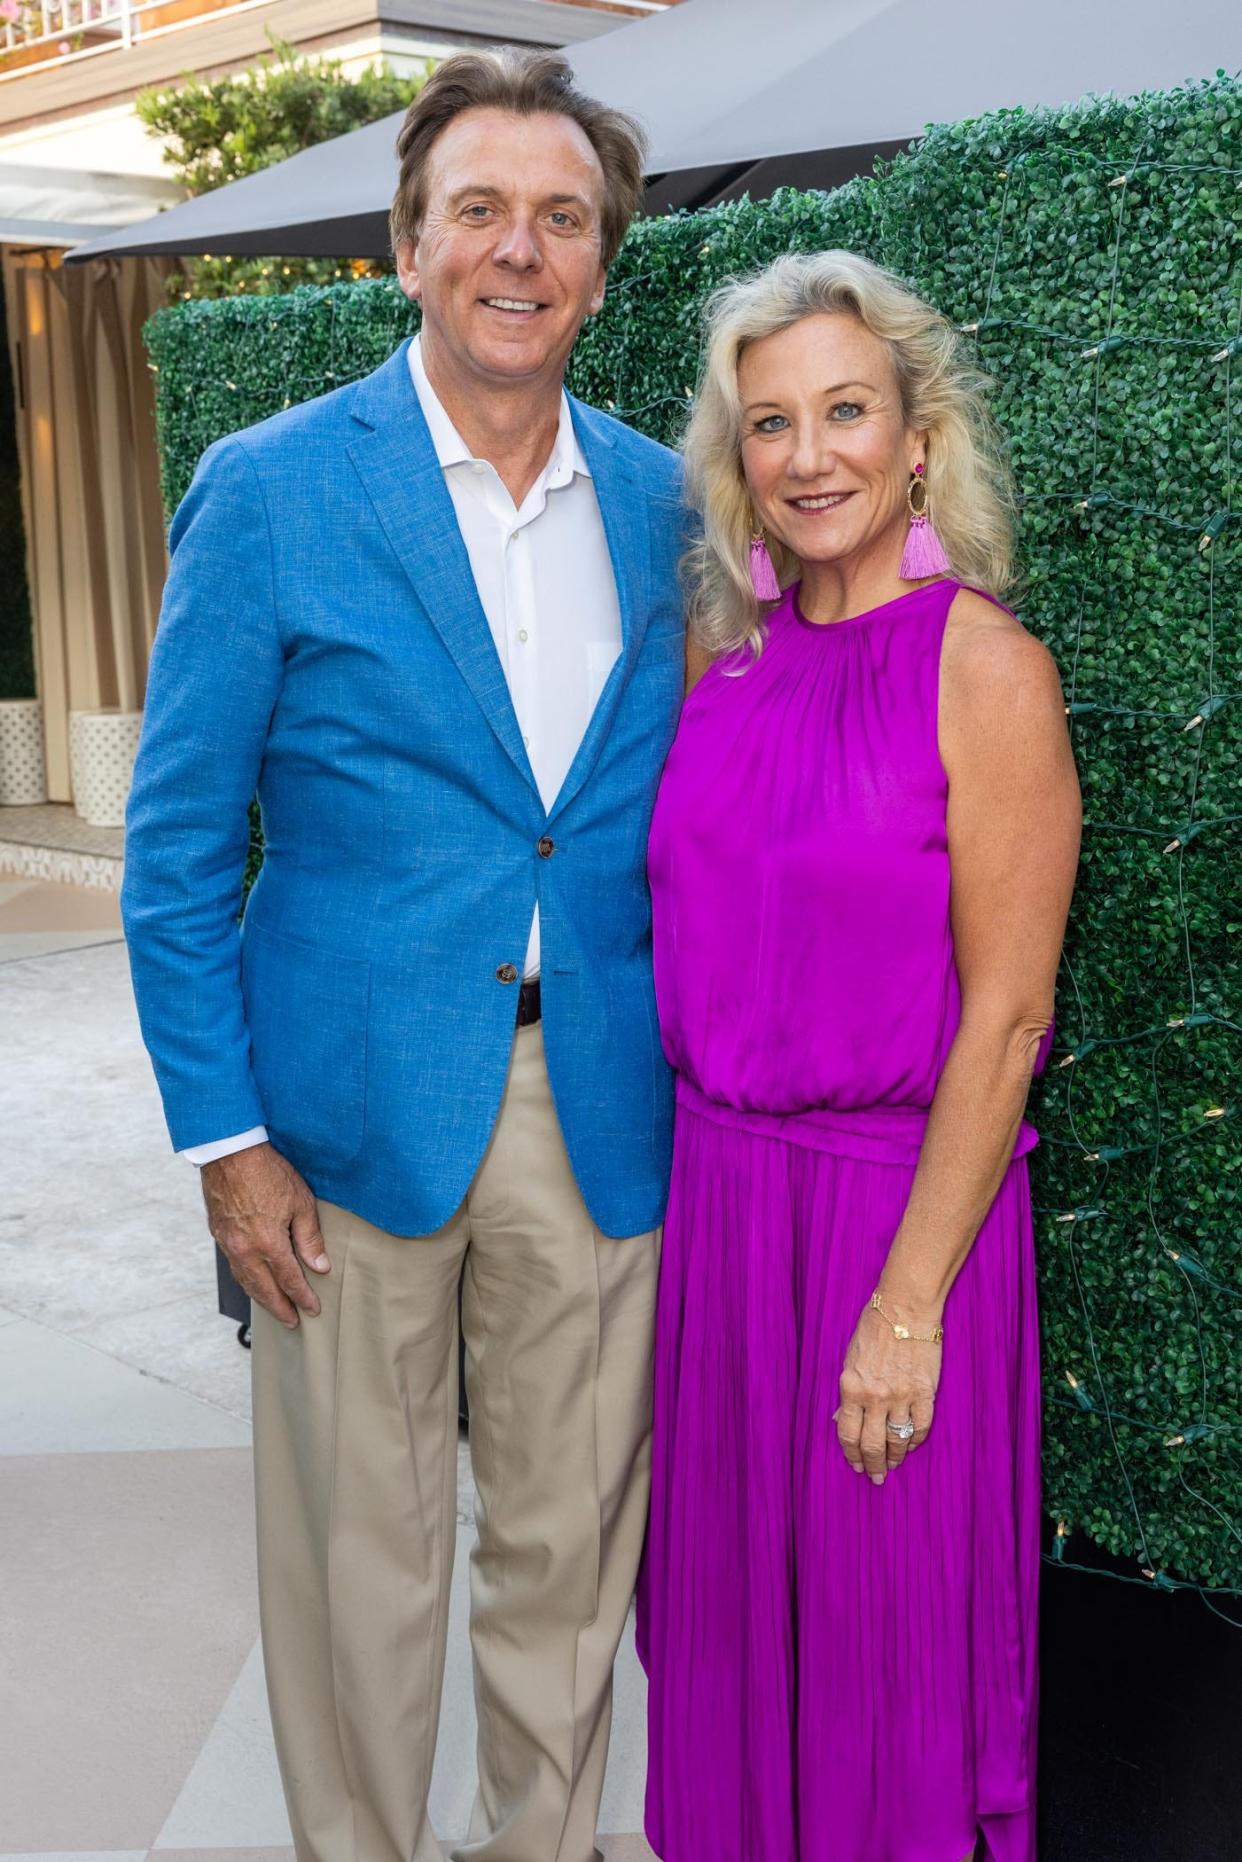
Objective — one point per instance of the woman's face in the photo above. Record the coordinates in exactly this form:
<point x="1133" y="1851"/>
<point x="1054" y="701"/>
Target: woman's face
<point x="825" y="449"/>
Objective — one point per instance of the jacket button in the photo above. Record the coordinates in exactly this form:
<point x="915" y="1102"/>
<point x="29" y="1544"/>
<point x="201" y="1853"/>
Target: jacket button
<point x="507" y="973"/>
<point x="545" y="848"/>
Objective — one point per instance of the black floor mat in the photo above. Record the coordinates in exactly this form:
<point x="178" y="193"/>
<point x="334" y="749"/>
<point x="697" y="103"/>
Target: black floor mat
<point x="1140" y="1723"/>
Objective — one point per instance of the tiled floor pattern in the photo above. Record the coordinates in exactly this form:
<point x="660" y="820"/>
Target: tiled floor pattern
<point x="56" y="824"/>
<point x="50" y="841"/>
<point x="133" y="1722"/>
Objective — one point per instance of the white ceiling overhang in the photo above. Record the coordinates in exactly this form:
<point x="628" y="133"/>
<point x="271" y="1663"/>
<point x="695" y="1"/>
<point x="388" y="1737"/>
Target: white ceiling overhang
<point x="63" y="206"/>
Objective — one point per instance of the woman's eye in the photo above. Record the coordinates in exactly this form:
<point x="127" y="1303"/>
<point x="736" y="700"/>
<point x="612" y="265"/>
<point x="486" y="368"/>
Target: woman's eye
<point x="846" y="410"/>
<point x="771" y="423"/>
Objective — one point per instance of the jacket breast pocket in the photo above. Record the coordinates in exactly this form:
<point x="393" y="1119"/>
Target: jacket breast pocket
<point x="306" y="1010"/>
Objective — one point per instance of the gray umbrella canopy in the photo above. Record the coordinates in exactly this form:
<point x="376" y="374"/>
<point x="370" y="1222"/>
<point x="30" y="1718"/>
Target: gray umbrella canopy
<point x="329" y="201"/>
<point x="732" y="83"/>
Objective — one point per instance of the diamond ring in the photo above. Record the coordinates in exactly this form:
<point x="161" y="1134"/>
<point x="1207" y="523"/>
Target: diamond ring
<point x="902" y="1430"/>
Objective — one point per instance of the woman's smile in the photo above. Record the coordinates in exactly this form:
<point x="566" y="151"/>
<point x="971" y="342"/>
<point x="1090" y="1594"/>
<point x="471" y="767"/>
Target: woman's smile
<point x="812" y="503"/>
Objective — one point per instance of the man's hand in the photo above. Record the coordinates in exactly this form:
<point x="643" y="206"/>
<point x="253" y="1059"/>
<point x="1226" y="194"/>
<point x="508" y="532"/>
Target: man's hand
<point x="264" y="1217"/>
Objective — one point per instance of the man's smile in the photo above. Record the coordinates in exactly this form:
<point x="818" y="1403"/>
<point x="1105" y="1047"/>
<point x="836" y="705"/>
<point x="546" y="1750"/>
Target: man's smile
<point x="514" y="306"/>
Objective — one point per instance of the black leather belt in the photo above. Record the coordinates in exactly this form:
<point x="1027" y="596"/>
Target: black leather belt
<point x="530" y="1008"/>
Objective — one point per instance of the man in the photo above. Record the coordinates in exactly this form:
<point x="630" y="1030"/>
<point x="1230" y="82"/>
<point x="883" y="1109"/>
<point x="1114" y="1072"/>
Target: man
<point x="433" y="619"/>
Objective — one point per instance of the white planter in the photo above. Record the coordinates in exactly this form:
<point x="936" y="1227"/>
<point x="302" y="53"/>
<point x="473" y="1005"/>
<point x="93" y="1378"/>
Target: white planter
<point x="102" y="747"/>
<point x="23" y="768"/>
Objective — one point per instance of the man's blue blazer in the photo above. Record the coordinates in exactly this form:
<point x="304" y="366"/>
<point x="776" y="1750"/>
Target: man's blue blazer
<point x="322" y="644"/>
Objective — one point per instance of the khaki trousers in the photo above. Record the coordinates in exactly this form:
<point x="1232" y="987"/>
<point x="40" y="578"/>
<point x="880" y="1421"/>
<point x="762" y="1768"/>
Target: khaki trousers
<point x="356" y="1477"/>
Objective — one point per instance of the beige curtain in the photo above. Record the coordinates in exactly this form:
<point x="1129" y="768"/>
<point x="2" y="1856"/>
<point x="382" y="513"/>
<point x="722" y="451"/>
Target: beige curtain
<point x="90" y="479"/>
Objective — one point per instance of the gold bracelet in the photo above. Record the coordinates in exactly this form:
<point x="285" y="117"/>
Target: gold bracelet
<point x="903" y="1331"/>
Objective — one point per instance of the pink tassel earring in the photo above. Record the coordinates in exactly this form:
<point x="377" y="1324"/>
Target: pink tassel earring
<point x="762" y="570"/>
<point x="924" y="553"/>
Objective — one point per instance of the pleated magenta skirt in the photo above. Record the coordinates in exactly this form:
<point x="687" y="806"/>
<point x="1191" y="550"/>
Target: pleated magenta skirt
<point x="838" y="1672"/>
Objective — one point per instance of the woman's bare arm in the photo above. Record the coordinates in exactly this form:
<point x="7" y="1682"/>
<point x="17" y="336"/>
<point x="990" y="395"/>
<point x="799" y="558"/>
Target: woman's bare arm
<point x="1014" y="818"/>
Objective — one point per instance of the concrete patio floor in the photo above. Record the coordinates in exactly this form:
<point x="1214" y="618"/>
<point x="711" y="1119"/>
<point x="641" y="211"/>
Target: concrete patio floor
<point x="132" y="1709"/>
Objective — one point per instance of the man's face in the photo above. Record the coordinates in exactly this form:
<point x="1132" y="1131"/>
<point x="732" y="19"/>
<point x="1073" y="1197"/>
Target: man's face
<point x="506" y="264"/>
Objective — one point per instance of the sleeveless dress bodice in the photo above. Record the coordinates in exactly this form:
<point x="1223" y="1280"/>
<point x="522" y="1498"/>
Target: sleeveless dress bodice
<point x="810" y="1638"/>
<point x="799" y="867"/>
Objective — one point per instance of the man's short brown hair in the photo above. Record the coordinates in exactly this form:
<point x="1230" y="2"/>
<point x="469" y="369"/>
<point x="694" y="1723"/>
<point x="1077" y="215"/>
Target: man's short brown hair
<point x="528" y="83"/>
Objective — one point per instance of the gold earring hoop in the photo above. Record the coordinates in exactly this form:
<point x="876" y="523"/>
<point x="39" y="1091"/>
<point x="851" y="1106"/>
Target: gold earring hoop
<point x="924" y="553"/>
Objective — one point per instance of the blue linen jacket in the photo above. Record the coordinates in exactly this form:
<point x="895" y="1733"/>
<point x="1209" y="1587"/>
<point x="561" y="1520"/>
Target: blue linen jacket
<point x="322" y="644"/>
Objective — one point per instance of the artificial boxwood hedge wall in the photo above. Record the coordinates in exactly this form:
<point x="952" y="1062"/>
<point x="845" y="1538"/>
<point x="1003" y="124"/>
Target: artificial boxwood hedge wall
<point x="1096" y="252"/>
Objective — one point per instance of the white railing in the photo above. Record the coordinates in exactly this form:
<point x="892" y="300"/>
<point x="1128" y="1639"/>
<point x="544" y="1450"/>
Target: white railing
<point x="37" y="33"/>
<point x="61" y="29"/>
<point x="54" y="23"/>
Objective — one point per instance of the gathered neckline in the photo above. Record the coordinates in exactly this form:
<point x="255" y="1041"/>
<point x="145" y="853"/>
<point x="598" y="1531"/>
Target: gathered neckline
<point x="794" y="591"/>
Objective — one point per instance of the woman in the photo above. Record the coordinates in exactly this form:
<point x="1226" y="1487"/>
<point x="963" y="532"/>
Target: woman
<point x="861" y="859"/>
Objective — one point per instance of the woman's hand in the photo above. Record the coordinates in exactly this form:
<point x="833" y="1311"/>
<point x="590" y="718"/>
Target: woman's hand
<point x="886" y="1379"/>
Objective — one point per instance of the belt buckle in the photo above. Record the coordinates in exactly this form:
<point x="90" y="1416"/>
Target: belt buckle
<point x="530" y="1007"/>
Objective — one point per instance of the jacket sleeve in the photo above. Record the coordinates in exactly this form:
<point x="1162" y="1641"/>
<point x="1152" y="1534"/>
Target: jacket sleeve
<point x="215" y="677"/>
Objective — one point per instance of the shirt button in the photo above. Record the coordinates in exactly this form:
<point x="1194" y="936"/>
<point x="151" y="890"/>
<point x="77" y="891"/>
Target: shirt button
<point x="478" y="466"/>
<point x="522" y="634"/>
<point x="507" y="973"/>
<point x="545" y="848"/>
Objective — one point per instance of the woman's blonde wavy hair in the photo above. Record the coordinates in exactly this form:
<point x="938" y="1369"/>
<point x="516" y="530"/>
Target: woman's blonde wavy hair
<point x="942" y="393"/>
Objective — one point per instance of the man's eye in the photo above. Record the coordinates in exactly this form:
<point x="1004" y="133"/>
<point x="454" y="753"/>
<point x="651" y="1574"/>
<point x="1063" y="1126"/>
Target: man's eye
<point x="478" y="210"/>
<point x="563" y="219"/>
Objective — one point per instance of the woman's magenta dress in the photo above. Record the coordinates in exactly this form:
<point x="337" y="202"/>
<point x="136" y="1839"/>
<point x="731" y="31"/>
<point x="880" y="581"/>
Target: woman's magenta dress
<point x="838" y="1672"/>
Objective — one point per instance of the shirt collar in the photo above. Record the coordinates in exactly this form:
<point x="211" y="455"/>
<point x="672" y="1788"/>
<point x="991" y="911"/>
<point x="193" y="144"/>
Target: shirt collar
<point x="565" y="459"/>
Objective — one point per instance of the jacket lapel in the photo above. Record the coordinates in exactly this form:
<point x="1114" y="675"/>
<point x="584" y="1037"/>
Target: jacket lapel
<point x="397" y="463"/>
<point x="404" y="480"/>
<point x="623" y="506"/>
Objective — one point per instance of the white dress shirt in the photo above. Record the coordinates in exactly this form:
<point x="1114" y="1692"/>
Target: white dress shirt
<point x="546" y="585"/>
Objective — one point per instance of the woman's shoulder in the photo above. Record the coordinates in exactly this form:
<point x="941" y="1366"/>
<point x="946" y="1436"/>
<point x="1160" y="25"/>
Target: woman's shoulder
<point x="971" y="607"/>
<point x="990" y="657"/>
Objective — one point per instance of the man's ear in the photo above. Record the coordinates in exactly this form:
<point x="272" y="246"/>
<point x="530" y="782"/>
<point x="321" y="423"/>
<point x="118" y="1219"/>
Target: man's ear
<point x="597" y="298"/>
<point x="406" y="256"/>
